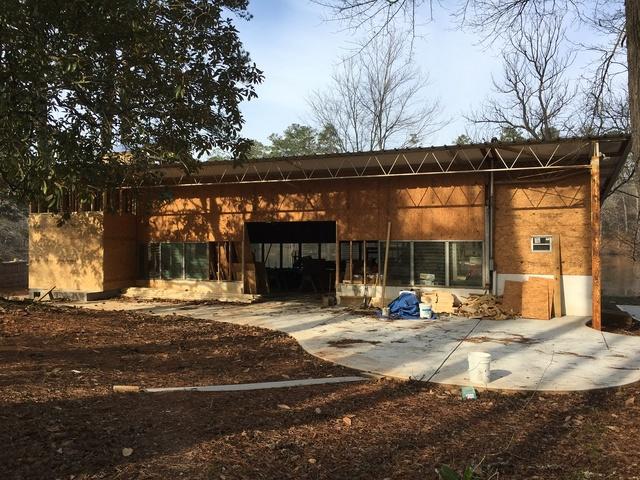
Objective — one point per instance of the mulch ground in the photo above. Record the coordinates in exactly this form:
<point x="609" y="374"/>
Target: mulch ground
<point x="60" y="419"/>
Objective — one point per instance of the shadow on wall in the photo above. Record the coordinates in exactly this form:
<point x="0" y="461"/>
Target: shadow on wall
<point x="68" y="255"/>
<point x="419" y="208"/>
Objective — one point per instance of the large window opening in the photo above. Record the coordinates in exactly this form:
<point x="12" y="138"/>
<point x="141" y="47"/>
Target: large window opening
<point x="296" y="256"/>
<point x="413" y="263"/>
<point x="187" y="260"/>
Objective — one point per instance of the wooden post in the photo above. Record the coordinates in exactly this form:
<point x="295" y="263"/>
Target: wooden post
<point x="218" y="256"/>
<point x="229" y="266"/>
<point x="596" y="305"/>
<point x="557" y="276"/>
<point x="242" y="257"/>
<point x="337" y="259"/>
<point x="364" y="263"/>
<point x="351" y="261"/>
<point x="386" y="263"/>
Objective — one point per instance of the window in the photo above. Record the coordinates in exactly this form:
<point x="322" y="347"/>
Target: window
<point x="150" y="260"/>
<point x="399" y="271"/>
<point x="328" y="251"/>
<point x="541" y="243"/>
<point x="310" y="250"/>
<point x="196" y="258"/>
<point x="429" y="263"/>
<point x="271" y="255"/>
<point x="465" y="264"/>
<point x="290" y="254"/>
<point x="372" y="256"/>
<point x="172" y="260"/>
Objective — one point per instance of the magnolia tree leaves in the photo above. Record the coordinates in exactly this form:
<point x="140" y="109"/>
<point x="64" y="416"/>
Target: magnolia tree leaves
<point x="94" y="93"/>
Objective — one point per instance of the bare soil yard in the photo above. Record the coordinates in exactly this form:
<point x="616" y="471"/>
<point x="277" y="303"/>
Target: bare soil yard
<point x="60" y="419"/>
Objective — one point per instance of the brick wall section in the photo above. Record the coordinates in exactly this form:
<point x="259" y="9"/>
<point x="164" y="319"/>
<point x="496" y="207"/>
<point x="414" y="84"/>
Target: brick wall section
<point x="14" y="275"/>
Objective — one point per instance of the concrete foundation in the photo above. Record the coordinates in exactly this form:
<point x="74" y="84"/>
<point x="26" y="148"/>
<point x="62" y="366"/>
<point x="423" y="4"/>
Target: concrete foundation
<point x="561" y="354"/>
<point x="74" y="295"/>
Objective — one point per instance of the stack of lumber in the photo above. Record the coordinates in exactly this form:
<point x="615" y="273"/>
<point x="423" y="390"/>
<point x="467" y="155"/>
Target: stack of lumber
<point x="441" y="302"/>
<point x="484" y="306"/>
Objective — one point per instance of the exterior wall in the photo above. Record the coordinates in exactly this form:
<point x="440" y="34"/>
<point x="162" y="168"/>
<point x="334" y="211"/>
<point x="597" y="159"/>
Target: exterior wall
<point x="120" y="251"/>
<point x="14" y="275"/>
<point x="68" y="256"/>
<point x="419" y="208"/>
<point x="561" y="208"/>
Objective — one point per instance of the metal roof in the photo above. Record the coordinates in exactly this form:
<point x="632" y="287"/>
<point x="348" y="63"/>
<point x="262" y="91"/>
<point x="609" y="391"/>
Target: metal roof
<point x="515" y="160"/>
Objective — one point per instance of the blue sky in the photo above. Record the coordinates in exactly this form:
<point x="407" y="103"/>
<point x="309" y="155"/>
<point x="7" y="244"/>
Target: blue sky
<point x="297" y="49"/>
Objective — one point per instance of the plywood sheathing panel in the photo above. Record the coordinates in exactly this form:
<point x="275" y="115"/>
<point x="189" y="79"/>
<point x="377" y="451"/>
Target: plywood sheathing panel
<point x="120" y="251"/>
<point x="67" y="255"/>
<point x="524" y="210"/>
<point x="512" y="296"/>
<point x="420" y="208"/>
<point x="537" y="298"/>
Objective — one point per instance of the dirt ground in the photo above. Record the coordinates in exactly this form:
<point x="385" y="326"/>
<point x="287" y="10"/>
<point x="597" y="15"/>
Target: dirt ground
<point x="60" y="419"/>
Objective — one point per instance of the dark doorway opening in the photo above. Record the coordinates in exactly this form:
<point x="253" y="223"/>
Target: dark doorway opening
<point x="295" y="256"/>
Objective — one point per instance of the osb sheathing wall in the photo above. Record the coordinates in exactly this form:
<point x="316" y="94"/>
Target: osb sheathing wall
<point x="419" y="208"/>
<point x="560" y="208"/>
<point x="120" y="251"/>
<point x="68" y="256"/>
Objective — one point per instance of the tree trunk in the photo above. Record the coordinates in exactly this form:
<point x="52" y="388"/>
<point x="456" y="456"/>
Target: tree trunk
<point x="632" y="11"/>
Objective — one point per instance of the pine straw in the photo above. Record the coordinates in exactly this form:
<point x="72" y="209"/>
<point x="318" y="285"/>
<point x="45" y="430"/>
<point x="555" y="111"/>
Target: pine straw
<point x="61" y="424"/>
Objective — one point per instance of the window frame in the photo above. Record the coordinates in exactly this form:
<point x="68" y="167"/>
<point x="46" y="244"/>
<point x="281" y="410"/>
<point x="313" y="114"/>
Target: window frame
<point x="550" y="244"/>
<point x="447" y="244"/>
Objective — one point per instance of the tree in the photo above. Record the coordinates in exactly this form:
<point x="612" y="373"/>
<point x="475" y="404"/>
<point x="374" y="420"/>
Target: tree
<point x="374" y="99"/>
<point x="496" y="18"/>
<point x="463" y="139"/>
<point x="302" y="140"/>
<point x="296" y="140"/>
<point x="510" y="134"/>
<point x="95" y="93"/>
<point x="533" y="96"/>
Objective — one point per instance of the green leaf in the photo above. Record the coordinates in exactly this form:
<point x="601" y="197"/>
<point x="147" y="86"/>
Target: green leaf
<point x="446" y="473"/>
<point x="468" y="473"/>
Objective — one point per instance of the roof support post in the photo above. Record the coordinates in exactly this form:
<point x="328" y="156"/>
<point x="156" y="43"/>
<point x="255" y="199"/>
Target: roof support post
<point x="596" y="240"/>
<point x="242" y="255"/>
<point x="337" y="260"/>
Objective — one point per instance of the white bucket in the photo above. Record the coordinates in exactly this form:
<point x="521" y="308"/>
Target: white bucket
<point x="425" y="310"/>
<point x="479" y="367"/>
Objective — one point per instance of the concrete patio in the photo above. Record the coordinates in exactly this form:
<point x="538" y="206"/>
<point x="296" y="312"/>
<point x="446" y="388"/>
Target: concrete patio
<point x="557" y="355"/>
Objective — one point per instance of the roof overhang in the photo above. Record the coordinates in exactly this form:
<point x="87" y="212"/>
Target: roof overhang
<point x="517" y="161"/>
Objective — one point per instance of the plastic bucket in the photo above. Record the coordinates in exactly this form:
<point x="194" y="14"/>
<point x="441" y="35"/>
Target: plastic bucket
<point x="425" y="310"/>
<point x="479" y="367"/>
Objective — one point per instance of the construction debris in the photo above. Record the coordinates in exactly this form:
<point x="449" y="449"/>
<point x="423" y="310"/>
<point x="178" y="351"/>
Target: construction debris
<point x="484" y="306"/>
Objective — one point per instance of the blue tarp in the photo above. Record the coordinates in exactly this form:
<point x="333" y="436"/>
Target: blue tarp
<point x="405" y="306"/>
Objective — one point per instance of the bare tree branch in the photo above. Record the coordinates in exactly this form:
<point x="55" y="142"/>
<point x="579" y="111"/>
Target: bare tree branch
<point x="533" y="96"/>
<point x="375" y="99"/>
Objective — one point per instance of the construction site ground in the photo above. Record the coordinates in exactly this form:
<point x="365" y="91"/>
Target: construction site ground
<point x="561" y="354"/>
<point x="60" y="419"/>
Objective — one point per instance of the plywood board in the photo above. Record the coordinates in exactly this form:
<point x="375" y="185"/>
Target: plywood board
<point x="537" y="298"/>
<point x="512" y="297"/>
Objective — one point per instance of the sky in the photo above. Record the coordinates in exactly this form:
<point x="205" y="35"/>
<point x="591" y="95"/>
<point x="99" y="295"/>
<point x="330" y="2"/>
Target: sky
<point x="297" y="48"/>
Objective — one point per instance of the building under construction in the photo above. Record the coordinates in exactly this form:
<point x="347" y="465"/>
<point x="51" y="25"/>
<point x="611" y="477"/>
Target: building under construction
<point x="465" y="218"/>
